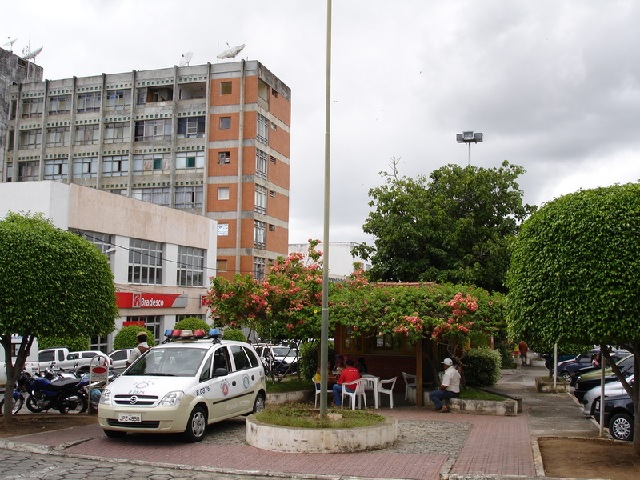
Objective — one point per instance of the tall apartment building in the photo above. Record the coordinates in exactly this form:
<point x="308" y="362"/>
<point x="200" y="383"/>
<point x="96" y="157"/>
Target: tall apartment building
<point x="210" y="139"/>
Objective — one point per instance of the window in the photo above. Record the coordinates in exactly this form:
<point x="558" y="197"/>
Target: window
<point x="28" y="171"/>
<point x="89" y="102"/>
<point x="190" y="160"/>
<point x="223" y="229"/>
<point x="145" y="262"/>
<point x="87" y="134"/>
<point x="58" y="136"/>
<point x="9" y="171"/>
<point x="225" y="123"/>
<point x="259" y="235"/>
<point x="103" y="241"/>
<point x="223" y="193"/>
<point x="225" y="88"/>
<point x="188" y="198"/>
<point x="118" y="99"/>
<point x="151" y="163"/>
<point x="85" y="167"/>
<point x="55" y="169"/>
<point x="59" y="104"/>
<point x="260" y="199"/>
<point x="274" y="92"/>
<point x="240" y="357"/>
<point x="153" y="323"/>
<point x="272" y="193"/>
<point x="157" y="195"/>
<point x="259" y="268"/>
<point x="32" y="107"/>
<point x="221" y="265"/>
<point x="263" y="129"/>
<point x="261" y="164"/>
<point x="115" y="165"/>
<point x="30" y="138"/>
<point x="117" y="132"/>
<point x="190" y="267"/>
<point x="224" y="158"/>
<point x="153" y="130"/>
<point x="191" y="127"/>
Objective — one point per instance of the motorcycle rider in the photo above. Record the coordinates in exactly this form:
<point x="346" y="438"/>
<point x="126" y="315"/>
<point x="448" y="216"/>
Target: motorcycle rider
<point x="142" y="347"/>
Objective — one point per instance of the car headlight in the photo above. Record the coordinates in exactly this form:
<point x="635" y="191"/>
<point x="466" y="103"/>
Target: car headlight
<point x="105" y="398"/>
<point x="171" y="399"/>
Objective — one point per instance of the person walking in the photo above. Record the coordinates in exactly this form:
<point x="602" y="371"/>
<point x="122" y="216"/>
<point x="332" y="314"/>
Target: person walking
<point x="522" y="347"/>
<point x="449" y="388"/>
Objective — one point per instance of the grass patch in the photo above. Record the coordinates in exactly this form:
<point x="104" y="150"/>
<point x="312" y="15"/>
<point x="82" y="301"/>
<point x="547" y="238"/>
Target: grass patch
<point x="290" y="384"/>
<point x="470" y="393"/>
<point x="304" y="416"/>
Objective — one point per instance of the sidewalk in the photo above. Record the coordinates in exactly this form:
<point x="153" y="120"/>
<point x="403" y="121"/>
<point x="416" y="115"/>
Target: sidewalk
<point x="431" y="445"/>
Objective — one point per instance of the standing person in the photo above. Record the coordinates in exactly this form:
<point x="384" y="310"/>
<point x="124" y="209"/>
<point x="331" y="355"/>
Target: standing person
<point x="522" y="346"/>
<point x="347" y="375"/>
<point x="450" y="387"/>
<point x="142" y="347"/>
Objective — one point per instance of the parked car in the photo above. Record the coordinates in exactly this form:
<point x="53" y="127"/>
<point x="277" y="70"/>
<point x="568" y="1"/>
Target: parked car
<point x="184" y="385"/>
<point x="589" y="398"/>
<point x="618" y="416"/>
<point x="568" y="369"/>
<point x="586" y="381"/>
<point x="281" y="358"/>
<point x="80" y="361"/>
<point x="119" y="358"/>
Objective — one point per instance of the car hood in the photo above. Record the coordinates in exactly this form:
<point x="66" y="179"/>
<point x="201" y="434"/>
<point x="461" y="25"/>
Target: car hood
<point x="149" y="385"/>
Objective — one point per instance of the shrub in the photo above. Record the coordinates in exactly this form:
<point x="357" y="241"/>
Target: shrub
<point x="234" y="334"/>
<point x="73" y="344"/>
<point x="192" y="323"/>
<point x="126" y="337"/>
<point x="482" y="367"/>
<point x="309" y="356"/>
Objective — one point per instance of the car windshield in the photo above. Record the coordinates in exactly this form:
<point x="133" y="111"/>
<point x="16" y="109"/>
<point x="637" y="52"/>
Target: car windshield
<point x="284" y="352"/>
<point x="169" y="362"/>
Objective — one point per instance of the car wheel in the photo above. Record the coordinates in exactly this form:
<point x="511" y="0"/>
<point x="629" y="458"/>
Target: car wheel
<point x="114" y="433"/>
<point x="621" y="427"/>
<point x="566" y="376"/>
<point x="259" y="403"/>
<point x="196" y="426"/>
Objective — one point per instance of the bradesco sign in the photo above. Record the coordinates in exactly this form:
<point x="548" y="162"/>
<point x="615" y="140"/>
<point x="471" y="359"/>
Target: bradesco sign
<point x="151" y="300"/>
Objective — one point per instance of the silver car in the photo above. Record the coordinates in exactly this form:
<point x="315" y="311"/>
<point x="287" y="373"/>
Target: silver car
<point x="611" y="388"/>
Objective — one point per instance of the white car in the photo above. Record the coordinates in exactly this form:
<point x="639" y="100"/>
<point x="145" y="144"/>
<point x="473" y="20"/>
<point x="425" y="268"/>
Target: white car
<point x="183" y="386"/>
<point x="611" y="388"/>
<point x="119" y="359"/>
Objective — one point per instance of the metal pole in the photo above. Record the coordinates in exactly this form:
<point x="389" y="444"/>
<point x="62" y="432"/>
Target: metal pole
<point x="324" y="334"/>
<point x="469" y="143"/>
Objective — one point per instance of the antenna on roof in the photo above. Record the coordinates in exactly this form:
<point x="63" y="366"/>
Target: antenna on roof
<point x="10" y="43"/>
<point x="28" y="54"/>
<point x="186" y="58"/>
<point x="232" y="51"/>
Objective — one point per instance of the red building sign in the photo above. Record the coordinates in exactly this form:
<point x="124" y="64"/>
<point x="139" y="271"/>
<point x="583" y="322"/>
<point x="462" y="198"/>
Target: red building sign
<point x="151" y="300"/>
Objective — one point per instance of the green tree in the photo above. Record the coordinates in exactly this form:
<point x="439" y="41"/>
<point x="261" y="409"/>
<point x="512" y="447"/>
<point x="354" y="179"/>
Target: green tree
<point x="53" y="283"/>
<point x="192" y="323"/>
<point x="234" y="334"/>
<point x="126" y="337"/>
<point x="575" y="274"/>
<point x="74" y="344"/>
<point x="454" y="226"/>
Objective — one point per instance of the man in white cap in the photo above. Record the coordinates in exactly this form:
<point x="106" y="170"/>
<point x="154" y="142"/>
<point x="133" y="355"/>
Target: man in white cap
<point x="449" y="388"/>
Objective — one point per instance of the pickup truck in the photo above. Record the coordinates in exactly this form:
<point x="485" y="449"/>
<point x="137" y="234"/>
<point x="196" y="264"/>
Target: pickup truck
<point x="60" y="358"/>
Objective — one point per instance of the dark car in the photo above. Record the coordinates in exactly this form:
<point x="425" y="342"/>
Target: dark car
<point x="586" y="381"/>
<point x="618" y="416"/>
<point x="570" y="369"/>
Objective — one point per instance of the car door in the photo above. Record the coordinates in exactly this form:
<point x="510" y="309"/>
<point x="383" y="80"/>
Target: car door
<point x="243" y="379"/>
<point x="220" y="385"/>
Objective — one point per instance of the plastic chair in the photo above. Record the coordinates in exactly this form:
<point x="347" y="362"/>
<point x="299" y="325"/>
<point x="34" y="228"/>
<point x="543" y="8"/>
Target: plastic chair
<point x="358" y="392"/>
<point x="409" y="381"/>
<point x="387" y="390"/>
<point x="318" y="387"/>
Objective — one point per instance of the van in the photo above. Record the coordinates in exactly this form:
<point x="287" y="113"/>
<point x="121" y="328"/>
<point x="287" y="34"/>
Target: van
<point x="183" y="386"/>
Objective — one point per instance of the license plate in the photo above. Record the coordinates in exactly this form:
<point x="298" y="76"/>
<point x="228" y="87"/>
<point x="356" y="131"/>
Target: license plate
<point x="129" y="417"/>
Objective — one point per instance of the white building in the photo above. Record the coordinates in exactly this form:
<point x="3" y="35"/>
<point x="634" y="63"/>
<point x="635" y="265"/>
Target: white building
<point x="161" y="258"/>
<point x="340" y="259"/>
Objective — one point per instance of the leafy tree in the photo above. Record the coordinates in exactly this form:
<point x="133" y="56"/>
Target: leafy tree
<point x="74" y="344"/>
<point x="127" y="337"/>
<point x="53" y="282"/>
<point x="234" y="334"/>
<point x="454" y="226"/>
<point x="575" y="275"/>
<point x="192" y="323"/>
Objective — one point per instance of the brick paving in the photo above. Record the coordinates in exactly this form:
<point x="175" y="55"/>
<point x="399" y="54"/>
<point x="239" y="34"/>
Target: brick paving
<point x="431" y="445"/>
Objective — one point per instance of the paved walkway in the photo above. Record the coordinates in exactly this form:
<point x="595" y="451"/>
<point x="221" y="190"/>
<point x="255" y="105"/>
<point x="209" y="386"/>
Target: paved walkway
<point x="431" y="445"/>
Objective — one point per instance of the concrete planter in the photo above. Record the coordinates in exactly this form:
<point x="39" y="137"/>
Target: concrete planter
<point x="320" y="440"/>
<point x="297" y="396"/>
<point x="508" y="406"/>
<point x="546" y="386"/>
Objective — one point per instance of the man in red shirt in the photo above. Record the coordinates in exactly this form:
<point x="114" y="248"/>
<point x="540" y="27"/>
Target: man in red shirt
<point x="348" y="375"/>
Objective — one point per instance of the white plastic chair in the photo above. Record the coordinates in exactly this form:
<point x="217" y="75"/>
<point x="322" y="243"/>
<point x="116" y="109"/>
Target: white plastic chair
<point x="387" y="390"/>
<point x="358" y="392"/>
<point x="409" y="381"/>
<point x="318" y="387"/>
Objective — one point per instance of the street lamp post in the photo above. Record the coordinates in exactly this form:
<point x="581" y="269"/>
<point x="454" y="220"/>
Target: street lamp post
<point x="469" y="137"/>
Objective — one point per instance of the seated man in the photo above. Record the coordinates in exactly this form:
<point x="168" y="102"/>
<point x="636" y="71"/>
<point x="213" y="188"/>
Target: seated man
<point x="450" y="387"/>
<point x="347" y="375"/>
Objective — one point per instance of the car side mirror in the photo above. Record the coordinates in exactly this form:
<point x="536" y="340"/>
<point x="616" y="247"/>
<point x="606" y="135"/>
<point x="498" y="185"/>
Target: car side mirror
<point x="220" y="372"/>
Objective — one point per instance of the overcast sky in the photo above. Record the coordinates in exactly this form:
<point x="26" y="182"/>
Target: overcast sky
<point x="553" y="85"/>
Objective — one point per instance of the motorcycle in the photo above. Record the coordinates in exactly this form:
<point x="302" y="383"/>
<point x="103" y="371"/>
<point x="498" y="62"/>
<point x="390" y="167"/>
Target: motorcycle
<point x="18" y="401"/>
<point x="67" y="395"/>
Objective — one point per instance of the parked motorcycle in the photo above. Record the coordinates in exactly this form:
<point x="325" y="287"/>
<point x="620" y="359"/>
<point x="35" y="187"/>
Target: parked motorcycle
<point x="18" y="401"/>
<point x="67" y="395"/>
